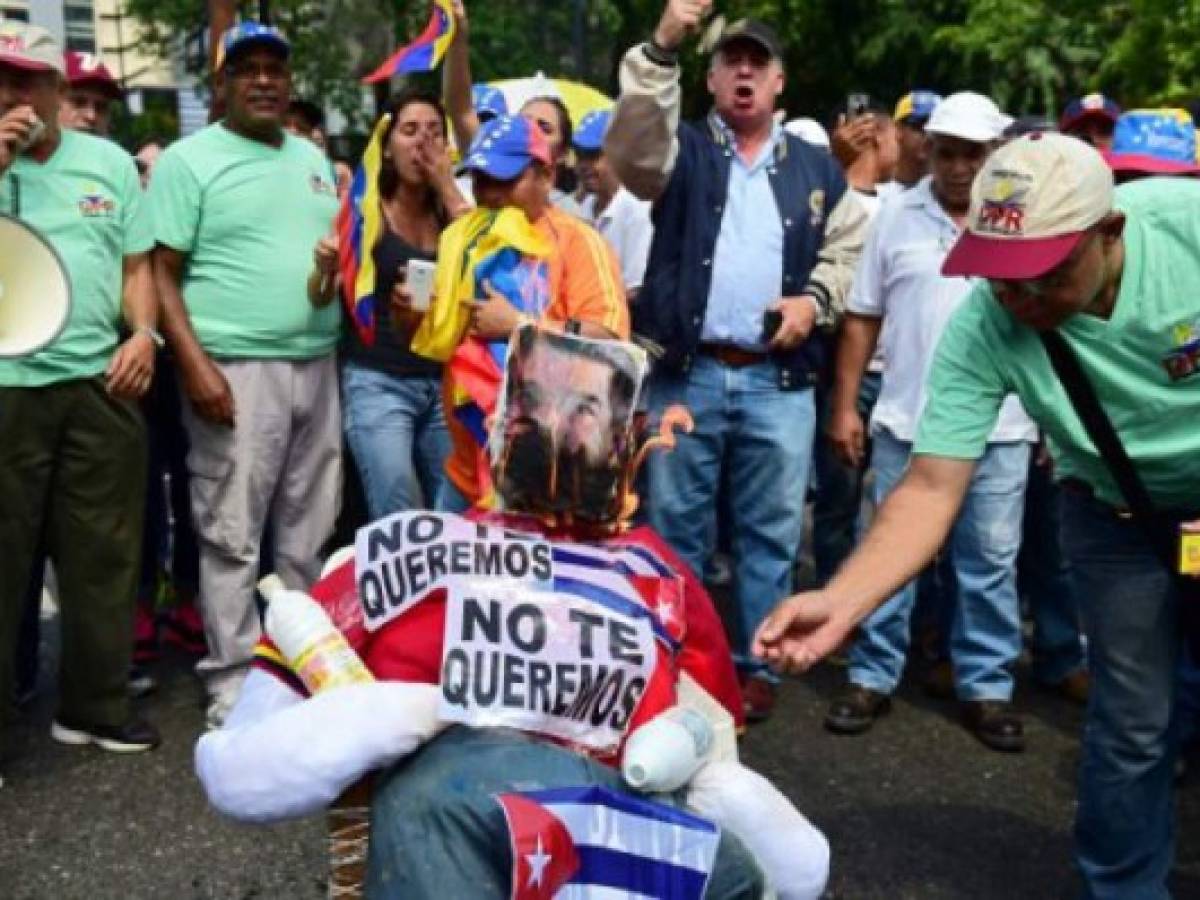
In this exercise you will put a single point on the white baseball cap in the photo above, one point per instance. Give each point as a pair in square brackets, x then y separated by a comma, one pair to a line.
[1031, 204]
[969, 116]
[808, 130]
[29, 47]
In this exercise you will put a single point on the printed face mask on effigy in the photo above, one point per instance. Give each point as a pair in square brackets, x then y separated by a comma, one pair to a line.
[563, 436]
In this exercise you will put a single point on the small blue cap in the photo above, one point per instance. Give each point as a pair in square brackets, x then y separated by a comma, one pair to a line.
[505, 146]
[916, 107]
[251, 33]
[589, 136]
[488, 101]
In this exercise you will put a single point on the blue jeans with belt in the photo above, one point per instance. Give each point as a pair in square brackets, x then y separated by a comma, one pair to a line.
[985, 637]
[1124, 825]
[397, 432]
[763, 436]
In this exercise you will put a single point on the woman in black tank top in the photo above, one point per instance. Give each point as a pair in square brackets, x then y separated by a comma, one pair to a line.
[392, 404]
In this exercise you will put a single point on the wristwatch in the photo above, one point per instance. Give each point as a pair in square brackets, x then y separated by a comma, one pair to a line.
[153, 334]
[666, 57]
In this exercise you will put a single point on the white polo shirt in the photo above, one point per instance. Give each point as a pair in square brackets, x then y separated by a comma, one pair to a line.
[899, 280]
[625, 222]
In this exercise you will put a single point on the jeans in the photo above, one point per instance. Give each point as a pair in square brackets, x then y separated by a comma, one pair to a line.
[764, 436]
[985, 637]
[1124, 830]
[397, 432]
[1045, 578]
[437, 829]
[839, 488]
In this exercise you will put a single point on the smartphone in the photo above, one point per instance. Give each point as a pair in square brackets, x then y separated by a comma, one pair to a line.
[857, 105]
[419, 283]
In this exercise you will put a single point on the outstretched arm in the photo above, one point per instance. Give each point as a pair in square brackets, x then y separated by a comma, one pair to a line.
[641, 144]
[908, 530]
[456, 82]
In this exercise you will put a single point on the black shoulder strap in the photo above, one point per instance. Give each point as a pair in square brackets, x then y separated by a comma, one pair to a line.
[1095, 420]
[1100, 429]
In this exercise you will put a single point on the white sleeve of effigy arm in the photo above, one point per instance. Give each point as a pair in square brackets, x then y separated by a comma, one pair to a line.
[792, 853]
[280, 756]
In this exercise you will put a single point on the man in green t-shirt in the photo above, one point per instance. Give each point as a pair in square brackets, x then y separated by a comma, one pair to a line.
[73, 452]
[237, 209]
[1117, 275]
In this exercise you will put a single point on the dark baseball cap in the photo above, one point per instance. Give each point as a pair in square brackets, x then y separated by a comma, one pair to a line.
[753, 30]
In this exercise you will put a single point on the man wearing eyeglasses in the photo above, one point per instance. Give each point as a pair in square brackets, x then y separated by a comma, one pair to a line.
[238, 207]
[1116, 274]
[900, 299]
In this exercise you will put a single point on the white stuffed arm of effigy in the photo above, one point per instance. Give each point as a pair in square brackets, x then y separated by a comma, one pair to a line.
[792, 853]
[280, 756]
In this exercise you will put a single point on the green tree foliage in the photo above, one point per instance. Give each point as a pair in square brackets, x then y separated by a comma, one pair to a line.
[1031, 55]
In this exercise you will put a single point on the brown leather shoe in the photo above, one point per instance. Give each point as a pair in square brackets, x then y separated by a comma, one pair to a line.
[1074, 687]
[995, 724]
[758, 698]
[855, 710]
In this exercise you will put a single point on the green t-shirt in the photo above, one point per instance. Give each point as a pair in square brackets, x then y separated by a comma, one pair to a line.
[248, 216]
[1144, 362]
[87, 202]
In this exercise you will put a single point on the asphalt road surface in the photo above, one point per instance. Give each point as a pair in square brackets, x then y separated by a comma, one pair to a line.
[914, 809]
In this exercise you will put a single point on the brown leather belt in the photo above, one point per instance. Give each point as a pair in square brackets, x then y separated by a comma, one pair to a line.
[734, 357]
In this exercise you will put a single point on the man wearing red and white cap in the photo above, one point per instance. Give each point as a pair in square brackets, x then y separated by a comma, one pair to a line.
[1091, 118]
[91, 92]
[73, 451]
[1116, 274]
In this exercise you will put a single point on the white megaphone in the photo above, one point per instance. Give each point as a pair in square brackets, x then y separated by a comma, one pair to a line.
[35, 290]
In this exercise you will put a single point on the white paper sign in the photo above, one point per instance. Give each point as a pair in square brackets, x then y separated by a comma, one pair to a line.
[552, 663]
[401, 559]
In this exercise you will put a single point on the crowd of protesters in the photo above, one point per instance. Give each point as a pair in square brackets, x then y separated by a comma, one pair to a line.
[851, 317]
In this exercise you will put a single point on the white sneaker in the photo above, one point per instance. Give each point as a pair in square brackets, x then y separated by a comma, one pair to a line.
[217, 711]
[134, 736]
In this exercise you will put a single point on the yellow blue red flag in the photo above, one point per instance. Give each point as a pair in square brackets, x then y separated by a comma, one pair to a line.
[426, 52]
[359, 223]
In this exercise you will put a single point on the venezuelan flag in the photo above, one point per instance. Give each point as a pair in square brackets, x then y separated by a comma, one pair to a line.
[359, 223]
[503, 249]
[477, 366]
[426, 52]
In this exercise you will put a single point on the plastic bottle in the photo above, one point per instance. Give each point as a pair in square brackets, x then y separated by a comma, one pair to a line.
[314, 649]
[666, 752]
